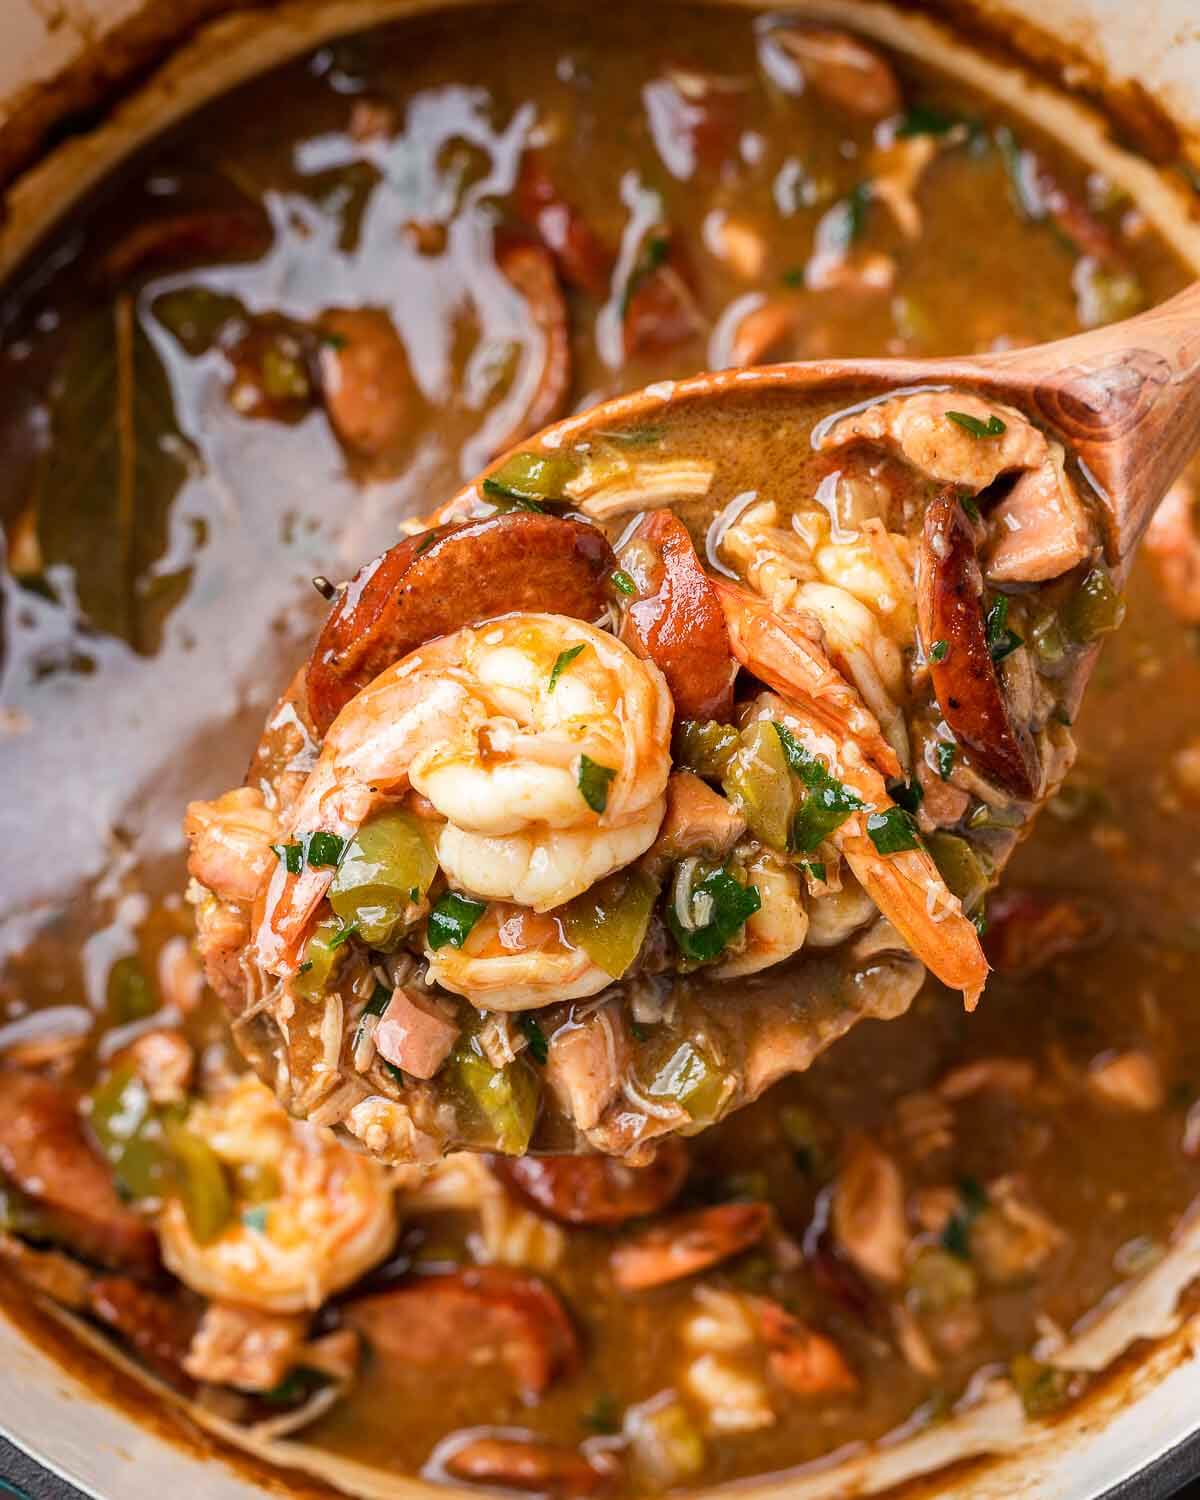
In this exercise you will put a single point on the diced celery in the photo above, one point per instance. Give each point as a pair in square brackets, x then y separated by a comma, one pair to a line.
[200, 1183]
[758, 781]
[1095, 608]
[704, 746]
[692, 1079]
[129, 995]
[507, 1097]
[322, 954]
[385, 870]
[129, 1132]
[960, 867]
[609, 921]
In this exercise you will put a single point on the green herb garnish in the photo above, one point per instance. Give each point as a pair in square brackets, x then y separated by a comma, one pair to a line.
[342, 935]
[922, 119]
[539, 1048]
[815, 867]
[256, 1219]
[323, 849]
[993, 427]
[652, 255]
[593, 780]
[967, 501]
[509, 499]
[956, 1237]
[451, 920]
[622, 582]
[1001, 640]
[564, 660]
[908, 794]
[730, 904]
[937, 652]
[291, 856]
[893, 830]
[945, 753]
[604, 1415]
[828, 803]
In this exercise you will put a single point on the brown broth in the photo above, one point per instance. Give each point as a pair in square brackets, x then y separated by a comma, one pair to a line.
[203, 607]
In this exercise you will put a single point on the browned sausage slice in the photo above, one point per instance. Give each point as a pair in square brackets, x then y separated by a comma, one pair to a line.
[680, 625]
[45, 1153]
[530, 270]
[688, 1243]
[464, 1319]
[430, 585]
[965, 679]
[519, 1464]
[212, 234]
[583, 260]
[158, 1326]
[595, 1189]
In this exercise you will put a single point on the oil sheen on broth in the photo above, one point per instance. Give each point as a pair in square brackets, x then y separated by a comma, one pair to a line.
[168, 493]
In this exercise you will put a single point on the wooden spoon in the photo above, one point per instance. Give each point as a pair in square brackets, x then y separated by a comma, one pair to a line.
[1123, 400]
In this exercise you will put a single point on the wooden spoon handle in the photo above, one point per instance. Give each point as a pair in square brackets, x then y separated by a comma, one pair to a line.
[1126, 400]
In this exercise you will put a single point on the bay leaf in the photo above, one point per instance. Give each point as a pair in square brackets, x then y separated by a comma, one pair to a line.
[112, 468]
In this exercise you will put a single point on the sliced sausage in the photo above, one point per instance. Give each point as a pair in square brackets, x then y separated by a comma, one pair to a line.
[430, 585]
[805, 1362]
[687, 1244]
[595, 1189]
[45, 1153]
[157, 1326]
[680, 624]
[530, 270]
[519, 1464]
[463, 1319]
[661, 310]
[177, 239]
[965, 679]
[365, 380]
[584, 261]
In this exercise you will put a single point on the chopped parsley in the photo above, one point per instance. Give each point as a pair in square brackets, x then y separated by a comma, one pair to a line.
[324, 849]
[539, 1048]
[255, 1218]
[343, 935]
[604, 1415]
[451, 920]
[334, 340]
[1001, 641]
[427, 541]
[815, 867]
[291, 856]
[945, 753]
[973, 1199]
[909, 794]
[375, 1006]
[593, 781]
[730, 904]
[563, 660]
[967, 501]
[893, 830]
[993, 427]
[828, 803]
[651, 256]
[508, 499]
[923, 119]
[622, 582]
[937, 652]
[316, 849]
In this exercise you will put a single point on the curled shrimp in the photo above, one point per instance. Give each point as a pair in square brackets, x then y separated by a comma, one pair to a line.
[780, 925]
[781, 651]
[906, 886]
[320, 1215]
[516, 959]
[543, 743]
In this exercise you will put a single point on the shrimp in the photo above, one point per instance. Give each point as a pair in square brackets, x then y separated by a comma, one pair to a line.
[230, 843]
[922, 431]
[906, 887]
[543, 742]
[516, 959]
[779, 927]
[777, 648]
[332, 1218]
